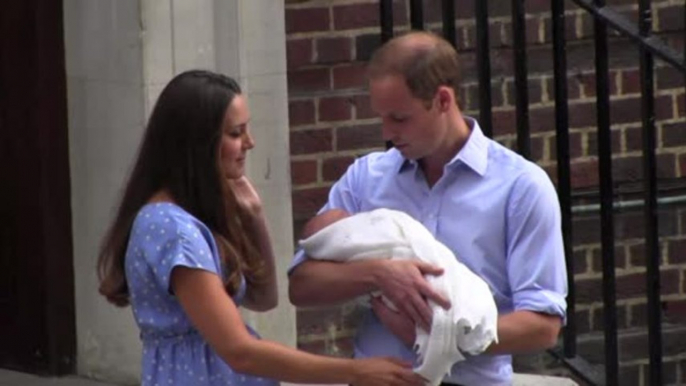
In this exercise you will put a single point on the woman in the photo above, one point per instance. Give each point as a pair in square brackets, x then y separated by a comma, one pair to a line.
[189, 244]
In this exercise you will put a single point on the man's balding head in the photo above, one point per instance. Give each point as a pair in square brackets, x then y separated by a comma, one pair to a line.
[424, 60]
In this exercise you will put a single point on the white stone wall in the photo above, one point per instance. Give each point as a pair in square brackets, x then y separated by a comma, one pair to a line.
[120, 54]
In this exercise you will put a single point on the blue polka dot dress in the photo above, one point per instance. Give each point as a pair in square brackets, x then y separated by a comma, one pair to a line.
[165, 236]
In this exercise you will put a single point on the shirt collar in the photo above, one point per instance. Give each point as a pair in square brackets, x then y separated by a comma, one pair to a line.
[474, 153]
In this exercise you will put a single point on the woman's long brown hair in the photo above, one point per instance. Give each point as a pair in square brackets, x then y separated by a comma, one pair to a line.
[180, 155]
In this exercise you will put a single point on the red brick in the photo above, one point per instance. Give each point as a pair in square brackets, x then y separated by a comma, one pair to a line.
[677, 252]
[582, 115]
[588, 290]
[354, 16]
[363, 109]
[359, 137]
[308, 80]
[619, 255]
[504, 122]
[583, 321]
[307, 202]
[349, 76]
[675, 311]
[301, 112]
[682, 165]
[311, 141]
[599, 316]
[334, 50]
[335, 109]
[634, 138]
[668, 78]
[303, 172]
[674, 135]
[299, 53]
[537, 146]
[671, 18]
[333, 168]
[307, 20]
[574, 146]
[637, 255]
[681, 105]
[319, 320]
[631, 82]
[634, 285]
[664, 108]
[537, 6]
[542, 119]
[615, 140]
[584, 174]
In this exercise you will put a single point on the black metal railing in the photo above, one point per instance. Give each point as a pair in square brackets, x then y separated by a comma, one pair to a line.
[650, 47]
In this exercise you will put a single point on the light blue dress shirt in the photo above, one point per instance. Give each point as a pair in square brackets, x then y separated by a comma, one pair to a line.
[497, 212]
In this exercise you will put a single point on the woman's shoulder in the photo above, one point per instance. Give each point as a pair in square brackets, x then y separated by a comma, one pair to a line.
[162, 218]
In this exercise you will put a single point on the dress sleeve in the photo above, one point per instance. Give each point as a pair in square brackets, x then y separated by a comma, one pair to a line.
[176, 242]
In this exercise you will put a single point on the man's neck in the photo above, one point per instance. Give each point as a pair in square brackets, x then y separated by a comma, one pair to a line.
[433, 165]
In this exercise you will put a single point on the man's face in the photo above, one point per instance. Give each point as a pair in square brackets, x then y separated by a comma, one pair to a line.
[412, 128]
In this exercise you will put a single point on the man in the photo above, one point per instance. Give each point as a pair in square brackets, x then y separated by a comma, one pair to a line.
[494, 209]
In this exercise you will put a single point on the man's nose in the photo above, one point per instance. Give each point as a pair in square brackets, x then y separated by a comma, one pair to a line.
[387, 130]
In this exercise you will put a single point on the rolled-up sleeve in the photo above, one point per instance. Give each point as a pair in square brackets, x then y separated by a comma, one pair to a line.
[535, 259]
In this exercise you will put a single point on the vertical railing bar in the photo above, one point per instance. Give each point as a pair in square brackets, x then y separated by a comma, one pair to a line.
[448, 8]
[417, 14]
[652, 248]
[564, 186]
[483, 63]
[606, 196]
[386, 19]
[521, 79]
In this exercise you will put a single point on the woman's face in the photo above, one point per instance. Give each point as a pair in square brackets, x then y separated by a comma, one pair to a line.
[236, 140]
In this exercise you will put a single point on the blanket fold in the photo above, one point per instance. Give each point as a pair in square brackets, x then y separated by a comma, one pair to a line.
[469, 326]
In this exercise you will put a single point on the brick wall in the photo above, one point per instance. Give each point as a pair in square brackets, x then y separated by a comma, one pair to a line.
[328, 44]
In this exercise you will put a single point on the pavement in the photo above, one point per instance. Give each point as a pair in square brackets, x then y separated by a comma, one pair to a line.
[13, 378]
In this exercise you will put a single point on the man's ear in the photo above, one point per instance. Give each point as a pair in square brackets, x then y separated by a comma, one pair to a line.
[445, 98]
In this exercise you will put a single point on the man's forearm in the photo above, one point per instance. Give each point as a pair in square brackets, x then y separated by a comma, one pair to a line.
[315, 283]
[525, 331]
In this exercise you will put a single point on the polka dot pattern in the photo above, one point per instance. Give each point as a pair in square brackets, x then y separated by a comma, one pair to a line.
[165, 236]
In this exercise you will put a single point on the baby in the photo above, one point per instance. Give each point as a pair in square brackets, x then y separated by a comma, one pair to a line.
[469, 326]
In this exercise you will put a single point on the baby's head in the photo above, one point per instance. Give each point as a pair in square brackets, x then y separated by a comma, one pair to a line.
[323, 220]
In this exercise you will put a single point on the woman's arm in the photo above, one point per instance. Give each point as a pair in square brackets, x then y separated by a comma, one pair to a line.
[263, 297]
[214, 314]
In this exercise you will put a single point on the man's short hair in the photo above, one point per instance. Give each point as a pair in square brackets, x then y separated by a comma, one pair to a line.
[425, 60]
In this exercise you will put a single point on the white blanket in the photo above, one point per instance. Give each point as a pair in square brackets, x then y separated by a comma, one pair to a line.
[469, 326]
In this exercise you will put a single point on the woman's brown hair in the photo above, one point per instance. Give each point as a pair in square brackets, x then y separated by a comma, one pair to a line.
[180, 155]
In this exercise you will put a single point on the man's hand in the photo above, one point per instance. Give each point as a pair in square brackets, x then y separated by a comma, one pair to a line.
[399, 324]
[403, 283]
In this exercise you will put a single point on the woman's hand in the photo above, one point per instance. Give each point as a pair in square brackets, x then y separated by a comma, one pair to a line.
[385, 372]
[246, 195]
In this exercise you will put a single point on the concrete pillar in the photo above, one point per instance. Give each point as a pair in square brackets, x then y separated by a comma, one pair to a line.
[120, 54]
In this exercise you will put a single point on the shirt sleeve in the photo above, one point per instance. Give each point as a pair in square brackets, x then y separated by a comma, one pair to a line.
[535, 260]
[178, 243]
[343, 195]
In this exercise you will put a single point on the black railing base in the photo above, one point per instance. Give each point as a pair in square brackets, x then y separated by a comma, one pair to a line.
[592, 374]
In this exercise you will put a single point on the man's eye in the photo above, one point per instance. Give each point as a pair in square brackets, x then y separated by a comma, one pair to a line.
[398, 119]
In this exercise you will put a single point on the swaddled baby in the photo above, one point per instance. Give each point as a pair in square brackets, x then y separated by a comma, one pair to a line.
[469, 326]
